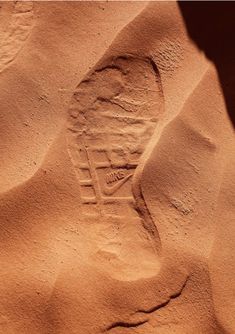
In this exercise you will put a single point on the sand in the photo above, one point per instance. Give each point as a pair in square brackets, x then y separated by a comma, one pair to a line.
[117, 167]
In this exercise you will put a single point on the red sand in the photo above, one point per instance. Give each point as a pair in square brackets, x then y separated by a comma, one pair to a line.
[117, 168]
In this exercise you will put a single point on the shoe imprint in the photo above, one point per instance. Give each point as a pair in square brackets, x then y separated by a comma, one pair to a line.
[15, 31]
[112, 117]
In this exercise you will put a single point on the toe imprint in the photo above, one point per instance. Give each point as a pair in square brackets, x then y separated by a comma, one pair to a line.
[14, 35]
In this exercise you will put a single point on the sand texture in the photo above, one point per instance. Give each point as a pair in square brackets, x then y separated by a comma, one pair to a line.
[117, 178]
